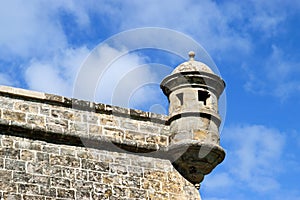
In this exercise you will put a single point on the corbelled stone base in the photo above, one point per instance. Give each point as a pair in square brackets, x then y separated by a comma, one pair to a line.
[198, 159]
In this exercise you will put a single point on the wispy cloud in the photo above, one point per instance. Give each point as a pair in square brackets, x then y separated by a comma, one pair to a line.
[55, 74]
[253, 162]
[254, 150]
[28, 29]
[278, 75]
[35, 31]
[205, 22]
[6, 80]
[113, 76]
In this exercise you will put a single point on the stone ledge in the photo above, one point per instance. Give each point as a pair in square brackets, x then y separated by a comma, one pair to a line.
[25, 130]
[129, 141]
[62, 120]
[78, 104]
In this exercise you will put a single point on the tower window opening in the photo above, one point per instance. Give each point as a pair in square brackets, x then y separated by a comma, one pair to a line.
[180, 97]
[203, 96]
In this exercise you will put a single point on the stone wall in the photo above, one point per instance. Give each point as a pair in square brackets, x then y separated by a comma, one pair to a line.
[52, 147]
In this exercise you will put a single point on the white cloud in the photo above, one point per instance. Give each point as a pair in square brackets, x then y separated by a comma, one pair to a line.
[105, 76]
[204, 21]
[264, 17]
[116, 73]
[255, 153]
[56, 74]
[112, 75]
[27, 30]
[45, 78]
[34, 29]
[280, 65]
[269, 15]
[253, 164]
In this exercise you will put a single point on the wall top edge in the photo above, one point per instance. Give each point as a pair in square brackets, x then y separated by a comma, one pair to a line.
[29, 95]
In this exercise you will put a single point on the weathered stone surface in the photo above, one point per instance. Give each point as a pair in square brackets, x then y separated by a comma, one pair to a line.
[193, 90]
[109, 121]
[149, 128]
[138, 114]
[90, 118]
[28, 188]
[88, 154]
[26, 107]
[95, 130]
[155, 175]
[64, 161]
[135, 136]
[27, 155]
[28, 144]
[82, 174]
[113, 134]
[78, 128]
[42, 157]
[44, 110]
[46, 164]
[21, 177]
[67, 151]
[5, 175]
[158, 195]
[155, 139]
[14, 116]
[65, 193]
[130, 125]
[68, 172]
[47, 191]
[1, 163]
[10, 153]
[38, 168]
[6, 104]
[96, 174]
[53, 97]
[138, 194]
[60, 182]
[15, 165]
[136, 171]
[151, 185]
[39, 179]
[84, 195]
[7, 142]
[13, 196]
[96, 166]
[33, 197]
[118, 169]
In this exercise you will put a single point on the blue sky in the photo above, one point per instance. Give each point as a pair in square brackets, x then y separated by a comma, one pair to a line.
[255, 45]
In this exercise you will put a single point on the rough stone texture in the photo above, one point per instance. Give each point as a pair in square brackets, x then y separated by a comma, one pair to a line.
[193, 91]
[61, 171]
[52, 147]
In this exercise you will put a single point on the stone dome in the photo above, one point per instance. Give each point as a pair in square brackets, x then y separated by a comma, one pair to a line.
[192, 65]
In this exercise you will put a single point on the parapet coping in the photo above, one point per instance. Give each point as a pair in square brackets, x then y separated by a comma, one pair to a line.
[83, 105]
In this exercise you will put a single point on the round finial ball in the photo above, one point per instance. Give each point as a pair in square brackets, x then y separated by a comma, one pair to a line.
[191, 54]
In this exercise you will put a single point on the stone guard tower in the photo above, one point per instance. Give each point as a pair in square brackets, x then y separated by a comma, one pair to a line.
[193, 90]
